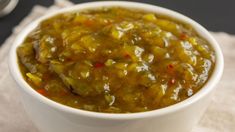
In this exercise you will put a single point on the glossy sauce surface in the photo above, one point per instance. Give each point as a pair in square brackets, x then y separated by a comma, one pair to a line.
[115, 60]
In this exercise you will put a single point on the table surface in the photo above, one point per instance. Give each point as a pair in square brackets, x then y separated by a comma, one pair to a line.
[217, 15]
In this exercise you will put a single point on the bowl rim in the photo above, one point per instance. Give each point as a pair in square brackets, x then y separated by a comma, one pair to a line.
[203, 92]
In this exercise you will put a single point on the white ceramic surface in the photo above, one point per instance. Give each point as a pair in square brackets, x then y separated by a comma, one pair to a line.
[50, 116]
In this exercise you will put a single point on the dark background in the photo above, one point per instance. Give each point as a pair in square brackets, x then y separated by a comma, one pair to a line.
[215, 15]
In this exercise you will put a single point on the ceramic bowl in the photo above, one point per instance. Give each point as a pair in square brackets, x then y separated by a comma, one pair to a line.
[50, 116]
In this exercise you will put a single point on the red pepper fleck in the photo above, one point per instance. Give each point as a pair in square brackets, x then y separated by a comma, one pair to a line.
[127, 56]
[42, 91]
[170, 66]
[98, 65]
[183, 36]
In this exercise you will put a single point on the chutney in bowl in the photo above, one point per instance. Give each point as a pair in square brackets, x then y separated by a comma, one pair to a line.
[115, 60]
[178, 116]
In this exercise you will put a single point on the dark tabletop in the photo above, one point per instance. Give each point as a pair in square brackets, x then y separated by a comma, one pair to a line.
[215, 15]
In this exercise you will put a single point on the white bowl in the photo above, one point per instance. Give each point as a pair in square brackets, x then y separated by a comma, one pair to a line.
[50, 116]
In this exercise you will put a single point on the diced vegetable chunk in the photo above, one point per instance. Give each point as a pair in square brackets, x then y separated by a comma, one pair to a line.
[34, 78]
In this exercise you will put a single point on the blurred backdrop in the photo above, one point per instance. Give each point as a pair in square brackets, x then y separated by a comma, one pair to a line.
[215, 15]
